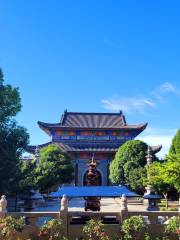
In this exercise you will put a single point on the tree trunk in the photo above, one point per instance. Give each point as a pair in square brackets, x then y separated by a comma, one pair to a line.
[166, 197]
[16, 198]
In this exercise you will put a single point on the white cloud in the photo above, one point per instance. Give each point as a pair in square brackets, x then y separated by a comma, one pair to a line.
[165, 88]
[130, 104]
[152, 136]
[156, 136]
[127, 104]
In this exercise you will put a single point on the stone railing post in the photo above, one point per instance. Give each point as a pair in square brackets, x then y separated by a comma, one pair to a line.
[3, 206]
[64, 214]
[124, 208]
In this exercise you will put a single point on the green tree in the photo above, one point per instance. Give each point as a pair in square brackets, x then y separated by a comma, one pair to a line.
[136, 178]
[13, 138]
[26, 177]
[54, 168]
[172, 171]
[166, 174]
[10, 103]
[128, 165]
[175, 145]
[158, 179]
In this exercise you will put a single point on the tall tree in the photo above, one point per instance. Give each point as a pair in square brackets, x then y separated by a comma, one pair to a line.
[10, 103]
[55, 168]
[26, 176]
[128, 166]
[13, 138]
[158, 179]
[175, 145]
[166, 174]
[172, 171]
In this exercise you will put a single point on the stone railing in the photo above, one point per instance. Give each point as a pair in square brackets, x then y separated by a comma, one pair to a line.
[74, 221]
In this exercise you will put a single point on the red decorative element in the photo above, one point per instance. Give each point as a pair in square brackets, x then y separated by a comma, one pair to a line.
[92, 203]
[58, 133]
[114, 133]
[100, 156]
[86, 133]
[71, 133]
[100, 134]
[84, 155]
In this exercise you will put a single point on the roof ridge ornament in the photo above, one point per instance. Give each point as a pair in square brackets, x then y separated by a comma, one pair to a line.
[63, 116]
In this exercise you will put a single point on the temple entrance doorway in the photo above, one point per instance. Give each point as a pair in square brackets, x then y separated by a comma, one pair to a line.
[99, 178]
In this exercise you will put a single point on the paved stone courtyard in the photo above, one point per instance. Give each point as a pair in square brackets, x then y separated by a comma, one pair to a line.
[107, 205]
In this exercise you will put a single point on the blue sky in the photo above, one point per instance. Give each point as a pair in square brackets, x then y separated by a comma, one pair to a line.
[94, 56]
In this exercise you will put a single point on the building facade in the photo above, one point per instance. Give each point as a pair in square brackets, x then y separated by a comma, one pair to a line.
[83, 135]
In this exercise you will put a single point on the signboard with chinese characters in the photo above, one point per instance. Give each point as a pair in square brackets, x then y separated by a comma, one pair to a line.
[91, 136]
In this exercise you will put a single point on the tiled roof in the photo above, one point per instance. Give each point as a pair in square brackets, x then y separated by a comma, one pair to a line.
[87, 147]
[92, 120]
[78, 147]
[156, 149]
[32, 148]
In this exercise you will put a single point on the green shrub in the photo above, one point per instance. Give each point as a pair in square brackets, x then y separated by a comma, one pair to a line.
[133, 227]
[173, 226]
[169, 209]
[94, 230]
[52, 230]
[10, 226]
[148, 237]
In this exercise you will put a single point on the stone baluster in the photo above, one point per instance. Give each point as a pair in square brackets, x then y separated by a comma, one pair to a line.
[64, 203]
[124, 202]
[3, 206]
[124, 208]
[64, 214]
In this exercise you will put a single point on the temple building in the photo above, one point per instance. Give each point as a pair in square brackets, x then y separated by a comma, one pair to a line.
[82, 135]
